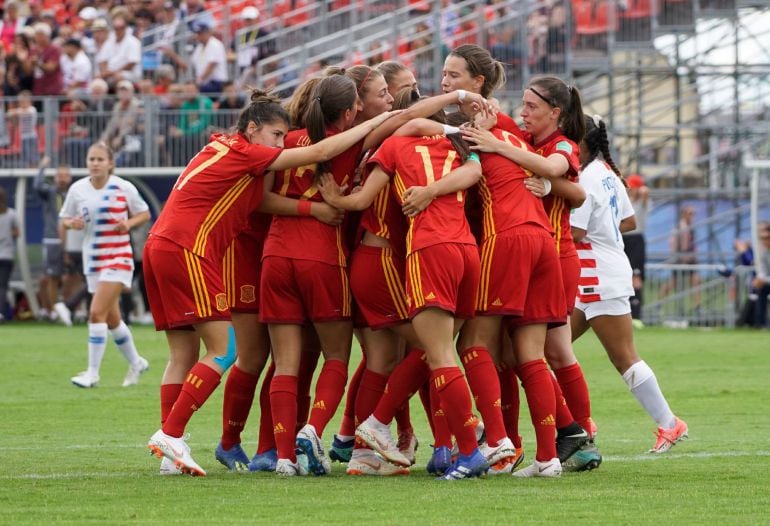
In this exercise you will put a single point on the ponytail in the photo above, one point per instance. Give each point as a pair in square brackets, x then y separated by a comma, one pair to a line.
[555, 92]
[597, 142]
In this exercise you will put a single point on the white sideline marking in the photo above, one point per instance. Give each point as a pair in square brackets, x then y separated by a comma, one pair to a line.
[610, 458]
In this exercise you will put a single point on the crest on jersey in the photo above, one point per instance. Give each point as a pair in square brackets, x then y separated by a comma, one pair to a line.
[221, 299]
[248, 294]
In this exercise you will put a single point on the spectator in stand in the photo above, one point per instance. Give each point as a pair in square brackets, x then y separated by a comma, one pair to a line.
[52, 198]
[246, 50]
[634, 242]
[170, 27]
[9, 231]
[10, 25]
[124, 129]
[760, 282]
[90, 111]
[77, 70]
[144, 23]
[164, 76]
[26, 120]
[683, 247]
[232, 102]
[100, 31]
[194, 119]
[35, 13]
[123, 56]
[209, 60]
[170, 105]
[17, 78]
[44, 62]
[48, 17]
[195, 13]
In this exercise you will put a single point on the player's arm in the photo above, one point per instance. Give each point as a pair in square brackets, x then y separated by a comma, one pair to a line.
[273, 203]
[578, 234]
[420, 127]
[329, 147]
[572, 192]
[627, 224]
[333, 193]
[417, 198]
[553, 166]
[426, 108]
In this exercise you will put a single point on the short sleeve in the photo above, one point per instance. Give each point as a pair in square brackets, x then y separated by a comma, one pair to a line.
[70, 206]
[626, 208]
[385, 157]
[136, 205]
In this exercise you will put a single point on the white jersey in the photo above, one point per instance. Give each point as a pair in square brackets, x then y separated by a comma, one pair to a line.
[102, 209]
[605, 272]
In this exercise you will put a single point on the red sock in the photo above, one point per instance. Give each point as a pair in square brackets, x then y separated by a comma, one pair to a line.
[536, 380]
[573, 386]
[442, 435]
[509, 398]
[168, 395]
[283, 402]
[307, 366]
[266, 440]
[425, 399]
[456, 403]
[348, 425]
[403, 419]
[485, 386]
[239, 395]
[369, 393]
[328, 393]
[563, 415]
[196, 389]
[404, 381]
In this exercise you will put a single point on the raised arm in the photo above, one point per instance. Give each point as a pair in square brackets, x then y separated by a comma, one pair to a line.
[329, 147]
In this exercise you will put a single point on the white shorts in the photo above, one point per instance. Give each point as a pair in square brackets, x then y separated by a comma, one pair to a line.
[611, 307]
[126, 277]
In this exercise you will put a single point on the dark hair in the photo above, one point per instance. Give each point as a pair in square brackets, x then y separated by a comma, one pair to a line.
[390, 68]
[555, 92]
[405, 98]
[480, 62]
[263, 108]
[330, 98]
[596, 142]
[299, 102]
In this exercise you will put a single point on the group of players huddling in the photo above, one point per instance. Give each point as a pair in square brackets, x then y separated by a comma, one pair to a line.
[364, 209]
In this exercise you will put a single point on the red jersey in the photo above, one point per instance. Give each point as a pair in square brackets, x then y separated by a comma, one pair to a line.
[211, 200]
[385, 219]
[505, 122]
[418, 161]
[506, 202]
[556, 207]
[306, 237]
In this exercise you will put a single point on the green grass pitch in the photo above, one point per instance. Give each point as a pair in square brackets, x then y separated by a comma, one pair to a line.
[74, 456]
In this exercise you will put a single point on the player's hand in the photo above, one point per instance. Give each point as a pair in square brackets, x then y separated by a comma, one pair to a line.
[327, 214]
[122, 227]
[482, 140]
[329, 188]
[77, 223]
[416, 199]
[536, 186]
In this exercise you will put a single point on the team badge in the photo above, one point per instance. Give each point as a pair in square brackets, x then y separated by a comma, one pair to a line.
[221, 302]
[248, 294]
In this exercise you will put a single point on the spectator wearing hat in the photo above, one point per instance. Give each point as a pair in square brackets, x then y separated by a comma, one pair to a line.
[252, 44]
[99, 51]
[634, 242]
[76, 69]
[209, 60]
[123, 60]
[44, 62]
[124, 129]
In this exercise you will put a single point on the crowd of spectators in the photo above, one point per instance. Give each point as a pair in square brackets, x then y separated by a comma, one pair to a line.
[105, 59]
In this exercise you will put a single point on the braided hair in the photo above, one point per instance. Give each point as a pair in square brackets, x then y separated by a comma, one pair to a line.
[596, 142]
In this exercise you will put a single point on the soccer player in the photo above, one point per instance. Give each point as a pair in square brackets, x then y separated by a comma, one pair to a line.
[552, 115]
[606, 279]
[106, 207]
[439, 296]
[208, 205]
[397, 76]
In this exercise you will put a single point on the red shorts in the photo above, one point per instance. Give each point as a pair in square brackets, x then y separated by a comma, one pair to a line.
[570, 273]
[242, 266]
[444, 276]
[183, 288]
[536, 281]
[295, 291]
[377, 282]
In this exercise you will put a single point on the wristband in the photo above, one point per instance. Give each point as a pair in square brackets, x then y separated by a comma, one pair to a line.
[448, 130]
[547, 185]
[303, 208]
[461, 93]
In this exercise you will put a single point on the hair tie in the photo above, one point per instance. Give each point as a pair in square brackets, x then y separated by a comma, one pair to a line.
[597, 119]
[547, 101]
[317, 98]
